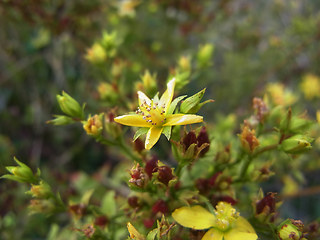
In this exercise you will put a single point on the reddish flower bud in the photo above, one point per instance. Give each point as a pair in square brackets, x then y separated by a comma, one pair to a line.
[267, 204]
[228, 199]
[160, 206]
[133, 201]
[260, 108]
[203, 138]
[151, 166]
[213, 179]
[138, 145]
[202, 185]
[165, 174]
[189, 139]
[101, 221]
[78, 209]
[148, 223]
[137, 176]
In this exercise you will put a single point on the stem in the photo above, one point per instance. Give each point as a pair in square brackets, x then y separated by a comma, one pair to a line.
[265, 149]
[245, 167]
[128, 152]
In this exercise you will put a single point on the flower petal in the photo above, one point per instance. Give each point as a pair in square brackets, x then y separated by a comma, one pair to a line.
[143, 98]
[132, 120]
[182, 119]
[153, 136]
[167, 96]
[235, 235]
[195, 217]
[213, 234]
[242, 225]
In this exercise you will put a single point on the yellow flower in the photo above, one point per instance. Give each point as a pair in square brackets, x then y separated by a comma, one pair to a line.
[310, 86]
[226, 224]
[157, 114]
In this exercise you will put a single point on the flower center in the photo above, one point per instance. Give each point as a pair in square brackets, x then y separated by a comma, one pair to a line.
[152, 113]
[226, 216]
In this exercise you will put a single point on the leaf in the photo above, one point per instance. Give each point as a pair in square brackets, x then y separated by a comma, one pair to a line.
[174, 103]
[152, 234]
[108, 204]
[139, 132]
[167, 131]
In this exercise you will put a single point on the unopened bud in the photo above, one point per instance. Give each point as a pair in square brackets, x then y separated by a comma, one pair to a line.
[70, 106]
[42, 190]
[45, 206]
[248, 139]
[165, 174]
[160, 206]
[296, 144]
[205, 54]
[290, 230]
[96, 54]
[21, 173]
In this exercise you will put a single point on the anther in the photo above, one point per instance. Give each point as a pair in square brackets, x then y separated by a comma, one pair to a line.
[144, 118]
[148, 116]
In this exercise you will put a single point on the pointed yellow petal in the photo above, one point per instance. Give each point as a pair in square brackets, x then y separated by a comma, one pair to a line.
[134, 234]
[182, 119]
[242, 225]
[235, 235]
[167, 96]
[153, 136]
[132, 120]
[213, 234]
[143, 98]
[195, 217]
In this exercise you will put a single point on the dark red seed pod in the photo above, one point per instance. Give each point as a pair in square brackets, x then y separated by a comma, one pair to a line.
[160, 206]
[189, 139]
[268, 203]
[133, 201]
[101, 221]
[151, 166]
[165, 174]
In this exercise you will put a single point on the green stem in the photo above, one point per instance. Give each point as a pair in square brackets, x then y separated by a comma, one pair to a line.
[264, 149]
[128, 152]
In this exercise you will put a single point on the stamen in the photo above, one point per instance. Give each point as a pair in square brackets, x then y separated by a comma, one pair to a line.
[144, 118]
[148, 116]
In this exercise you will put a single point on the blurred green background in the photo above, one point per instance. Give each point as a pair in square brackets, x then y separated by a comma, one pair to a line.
[43, 45]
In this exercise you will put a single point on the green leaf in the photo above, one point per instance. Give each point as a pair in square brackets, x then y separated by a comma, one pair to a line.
[174, 103]
[167, 132]
[152, 234]
[108, 204]
[139, 132]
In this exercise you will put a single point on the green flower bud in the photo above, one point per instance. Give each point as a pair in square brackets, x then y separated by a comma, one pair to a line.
[70, 106]
[288, 230]
[21, 173]
[42, 190]
[192, 104]
[205, 54]
[61, 120]
[296, 144]
[45, 206]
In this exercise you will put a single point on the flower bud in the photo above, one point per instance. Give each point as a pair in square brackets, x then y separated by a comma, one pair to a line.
[111, 127]
[165, 174]
[310, 86]
[133, 201]
[290, 230]
[192, 104]
[248, 139]
[21, 173]
[96, 54]
[296, 144]
[70, 106]
[205, 54]
[203, 141]
[266, 207]
[261, 109]
[93, 126]
[101, 221]
[60, 120]
[151, 166]
[149, 83]
[160, 206]
[78, 210]
[45, 206]
[108, 92]
[137, 176]
[184, 64]
[42, 190]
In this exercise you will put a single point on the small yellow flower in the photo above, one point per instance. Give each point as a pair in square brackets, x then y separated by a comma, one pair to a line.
[226, 224]
[96, 54]
[157, 114]
[310, 86]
